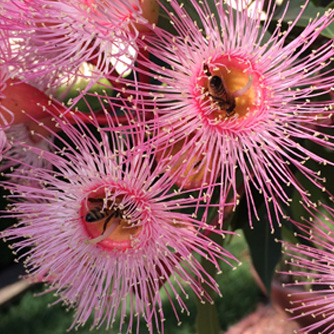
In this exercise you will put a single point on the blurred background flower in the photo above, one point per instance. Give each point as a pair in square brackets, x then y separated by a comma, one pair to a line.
[55, 37]
[310, 268]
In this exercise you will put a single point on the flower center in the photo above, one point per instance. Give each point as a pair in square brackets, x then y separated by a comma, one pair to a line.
[228, 89]
[108, 222]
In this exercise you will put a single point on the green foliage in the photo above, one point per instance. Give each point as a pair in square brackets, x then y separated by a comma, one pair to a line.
[265, 250]
[310, 11]
[94, 102]
[240, 291]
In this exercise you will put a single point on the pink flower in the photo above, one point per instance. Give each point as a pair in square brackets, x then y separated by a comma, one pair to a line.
[3, 143]
[236, 103]
[311, 266]
[104, 228]
[6, 114]
[56, 37]
[20, 140]
[18, 102]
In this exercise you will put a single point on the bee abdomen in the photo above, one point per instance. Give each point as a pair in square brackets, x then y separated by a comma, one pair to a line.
[217, 87]
[94, 216]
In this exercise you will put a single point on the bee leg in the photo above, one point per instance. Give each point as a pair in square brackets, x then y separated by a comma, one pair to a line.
[197, 164]
[207, 70]
[118, 214]
[218, 99]
[230, 110]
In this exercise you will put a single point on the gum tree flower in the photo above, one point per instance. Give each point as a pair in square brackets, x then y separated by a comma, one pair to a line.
[56, 37]
[3, 143]
[312, 268]
[234, 101]
[6, 116]
[19, 99]
[7, 112]
[18, 102]
[20, 138]
[104, 230]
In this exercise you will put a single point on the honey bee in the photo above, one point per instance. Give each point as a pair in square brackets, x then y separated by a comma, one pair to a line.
[96, 214]
[217, 91]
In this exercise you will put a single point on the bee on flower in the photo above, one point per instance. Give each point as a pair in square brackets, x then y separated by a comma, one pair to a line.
[103, 228]
[237, 102]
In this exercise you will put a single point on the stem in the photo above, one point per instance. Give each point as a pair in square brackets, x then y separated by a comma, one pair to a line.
[207, 318]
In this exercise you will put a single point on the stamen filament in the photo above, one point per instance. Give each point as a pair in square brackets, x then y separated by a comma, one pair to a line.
[244, 90]
[104, 235]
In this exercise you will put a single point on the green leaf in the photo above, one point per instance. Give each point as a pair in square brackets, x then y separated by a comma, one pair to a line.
[330, 5]
[265, 250]
[164, 18]
[329, 31]
[310, 12]
[207, 319]
[316, 2]
[103, 85]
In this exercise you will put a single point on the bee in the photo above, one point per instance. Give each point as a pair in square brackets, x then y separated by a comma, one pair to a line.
[217, 91]
[96, 214]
